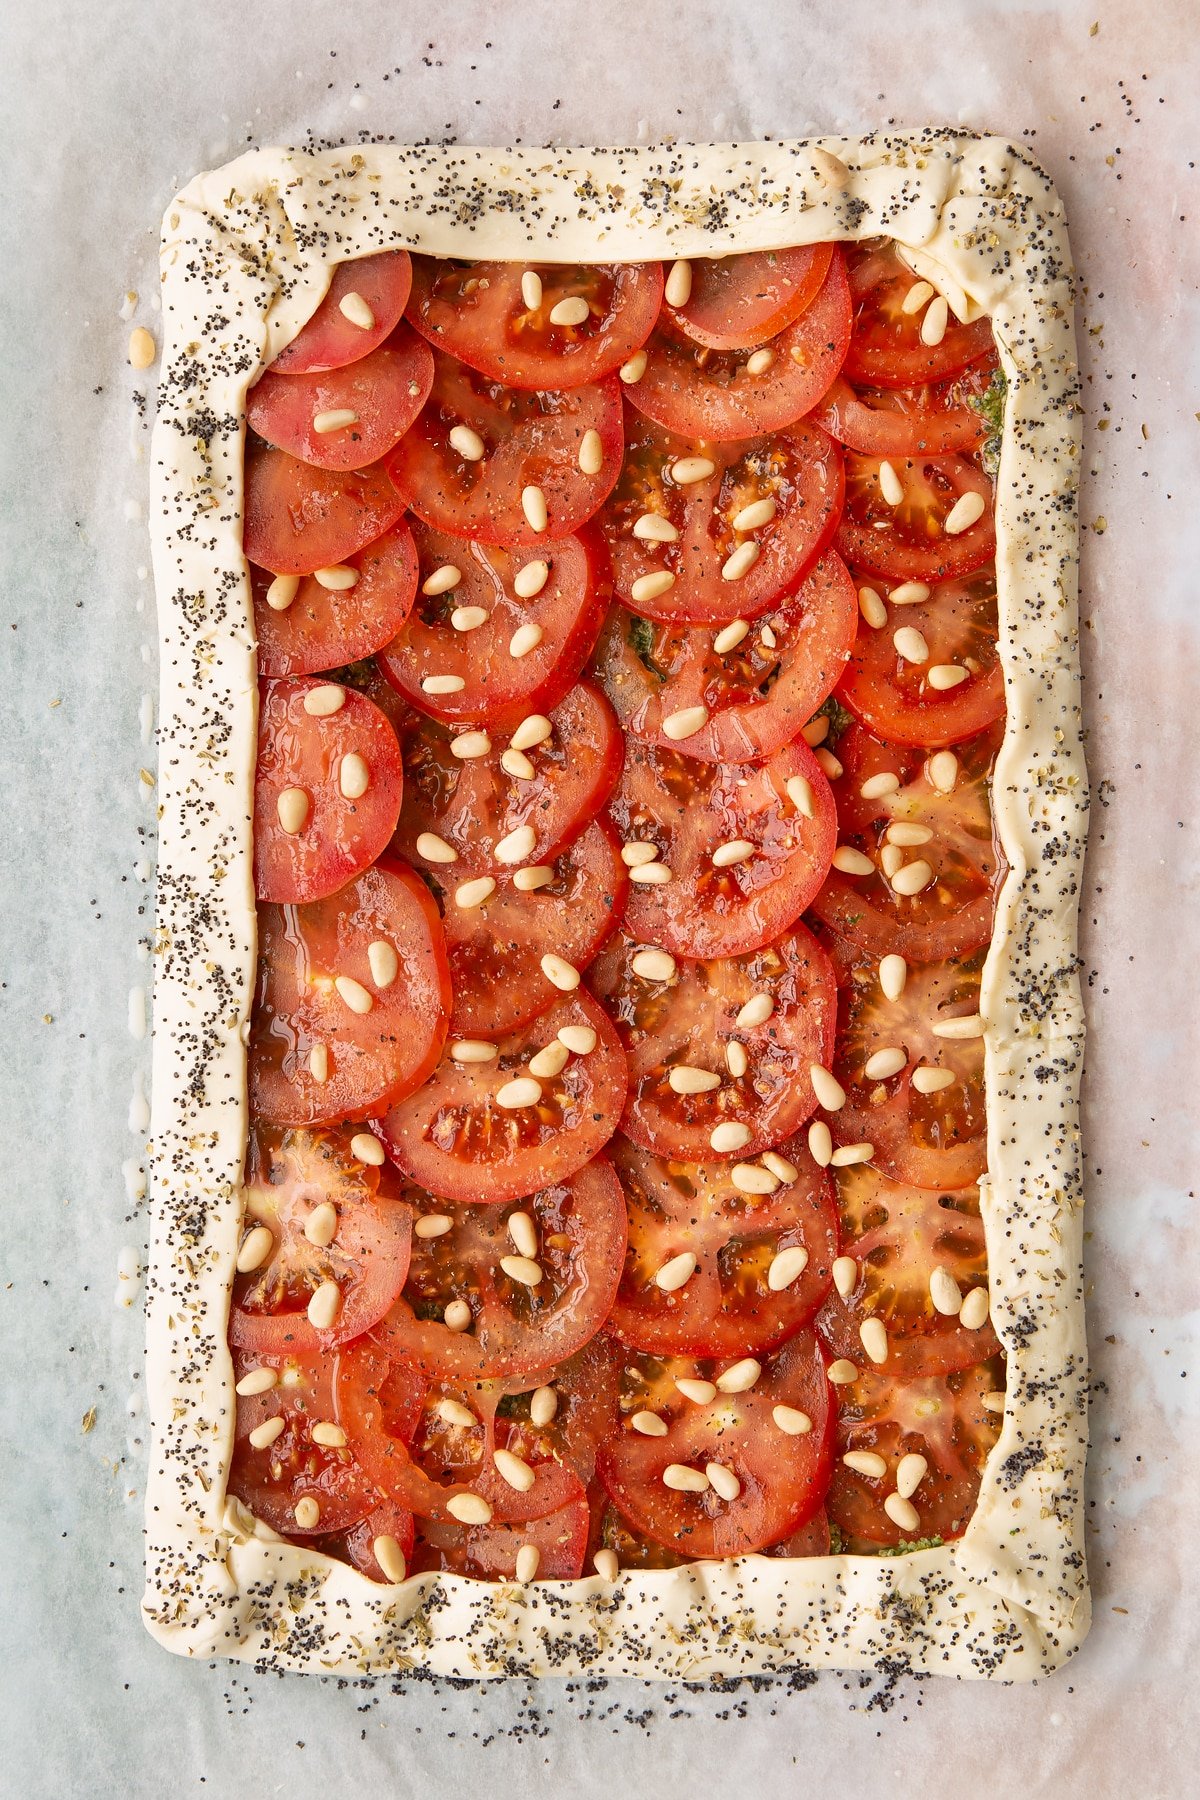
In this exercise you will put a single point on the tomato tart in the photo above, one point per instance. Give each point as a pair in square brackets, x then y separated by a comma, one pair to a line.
[617, 1037]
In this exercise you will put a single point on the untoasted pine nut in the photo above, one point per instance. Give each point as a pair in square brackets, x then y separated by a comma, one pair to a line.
[323, 701]
[525, 638]
[533, 505]
[591, 453]
[529, 580]
[325, 1305]
[320, 1227]
[786, 1266]
[678, 288]
[514, 1095]
[730, 1135]
[368, 1149]
[352, 306]
[580, 1040]
[354, 777]
[292, 808]
[254, 1250]
[384, 962]
[282, 592]
[468, 443]
[560, 973]
[353, 994]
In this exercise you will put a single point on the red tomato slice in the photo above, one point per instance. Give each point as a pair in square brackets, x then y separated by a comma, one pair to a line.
[473, 804]
[892, 696]
[341, 772]
[898, 422]
[298, 518]
[478, 312]
[289, 1174]
[812, 1539]
[758, 694]
[449, 1453]
[931, 1140]
[473, 1135]
[782, 1478]
[941, 1418]
[690, 810]
[886, 348]
[953, 914]
[585, 1388]
[490, 1551]
[898, 1235]
[324, 628]
[514, 1329]
[496, 949]
[272, 1480]
[909, 541]
[739, 301]
[387, 1520]
[370, 1057]
[332, 338]
[799, 472]
[530, 440]
[466, 632]
[345, 418]
[727, 1307]
[689, 1020]
[712, 394]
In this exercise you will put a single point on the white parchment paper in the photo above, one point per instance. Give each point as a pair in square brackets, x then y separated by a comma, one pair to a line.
[108, 107]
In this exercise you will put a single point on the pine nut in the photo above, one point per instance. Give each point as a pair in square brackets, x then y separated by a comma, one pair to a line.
[533, 505]
[282, 592]
[549, 1062]
[572, 310]
[352, 306]
[318, 1063]
[591, 452]
[911, 1471]
[387, 1552]
[472, 1050]
[560, 973]
[933, 325]
[254, 1250]
[457, 1316]
[517, 764]
[580, 1040]
[749, 1178]
[929, 1080]
[528, 881]
[543, 1404]
[531, 289]
[336, 578]
[384, 962]
[730, 636]
[531, 732]
[723, 1480]
[470, 894]
[866, 1462]
[944, 676]
[851, 861]
[676, 1272]
[683, 1079]
[325, 1305]
[846, 1156]
[728, 1136]
[652, 528]
[701, 1393]
[845, 1276]
[513, 1471]
[432, 1225]
[443, 684]
[684, 1480]
[328, 1435]
[264, 1435]
[740, 561]
[368, 1149]
[831, 1095]
[320, 1227]
[902, 1513]
[468, 443]
[648, 1424]
[353, 994]
[339, 418]
[737, 850]
[890, 485]
[740, 1377]
[469, 1509]
[684, 723]
[756, 1011]
[354, 777]
[820, 1143]
[468, 618]
[791, 1421]
[649, 587]
[529, 580]
[942, 770]
[635, 368]
[893, 973]
[975, 1309]
[323, 701]
[142, 348]
[963, 514]
[678, 288]
[873, 1334]
[257, 1381]
[522, 1092]
[292, 809]
[786, 1266]
[517, 846]
[736, 1059]
[470, 744]
[529, 1559]
[690, 469]
[523, 1233]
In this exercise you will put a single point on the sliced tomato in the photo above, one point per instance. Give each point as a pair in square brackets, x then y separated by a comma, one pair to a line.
[467, 1136]
[479, 313]
[388, 1520]
[953, 914]
[940, 1417]
[689, 1020]
[530, 440]
[689, 810]
[490, 1551]
[289, 1174]
[739, 301]
[897, 1236]
[324, 628]
[897, 422]
[345, 418]
[294, 1466]
[309, 757]
[369, 1057]
[712, 394]
[893, 697]
[515, 1330]
[585, 1389]
[782, 1478]
[449, 1451]
[886, 348]
[496, 949]
[799, 472]
[909, 541]
[298, 518]
[932, 1140]
[812, 1539]
[726, 1308]
[334, 337]
[758, 695]
[472, 803]
[466, 632]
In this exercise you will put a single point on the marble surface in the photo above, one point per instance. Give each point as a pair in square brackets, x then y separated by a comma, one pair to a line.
[111, 105]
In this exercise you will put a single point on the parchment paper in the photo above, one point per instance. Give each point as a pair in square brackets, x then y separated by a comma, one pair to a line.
[108, 108]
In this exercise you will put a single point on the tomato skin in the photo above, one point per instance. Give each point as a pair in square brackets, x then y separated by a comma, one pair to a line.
[691, 1019]
[799, 470]
[954, 913]
[499, 689]
[885, 348]
[892, 697]
[687, 810]
[515, 1331]
[384, 391]
[708, 394]
[455, 1138]
[907, 542]
[472, 803]
[387, 1520]
[330, 340]
[490, 328]
[373, 1059]
[725, 1309]
[783, 1479]
[900, 422]
[942, 1418]
[758, 695]
[297, 518]
[340, 837]
[496, 949]
[490, 1551]
[737, 302]
[294, 1467]
[288, 1175]
[530, 440]
[326, 628]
